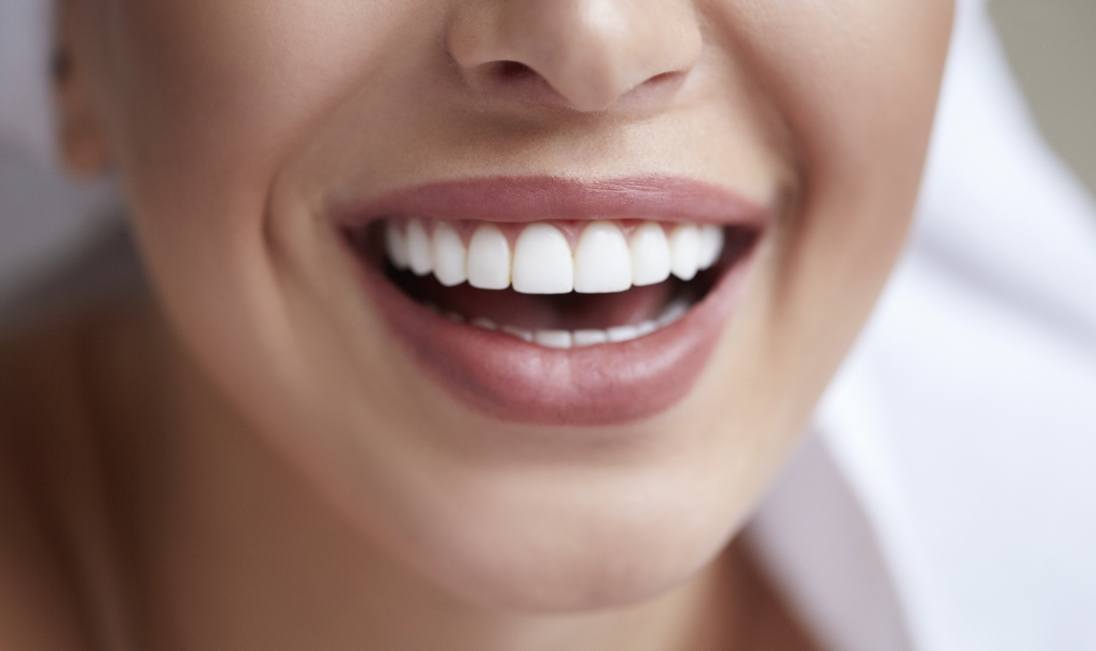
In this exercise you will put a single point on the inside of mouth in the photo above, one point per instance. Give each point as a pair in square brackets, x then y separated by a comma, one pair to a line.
[642, 308]
[569, 312]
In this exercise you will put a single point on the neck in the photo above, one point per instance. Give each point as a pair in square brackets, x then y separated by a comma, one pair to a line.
[238, 551]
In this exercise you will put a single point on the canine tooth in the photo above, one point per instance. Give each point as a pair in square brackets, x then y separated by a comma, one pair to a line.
[623, 333]
[520, 333]
[395, 244]
[646, 328]
[486, 324]
[450, 258]
[454, 317]
[543, 262]
[650, 251]
[418, 248]
[489, 259]
[602, 261]
[711, 245]
[554, 338]
[590, 337]
[685, 251]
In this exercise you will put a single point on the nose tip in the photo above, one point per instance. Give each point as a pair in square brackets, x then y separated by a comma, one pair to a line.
[585, 54]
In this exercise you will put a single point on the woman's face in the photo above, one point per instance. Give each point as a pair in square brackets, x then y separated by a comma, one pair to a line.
[273, 153]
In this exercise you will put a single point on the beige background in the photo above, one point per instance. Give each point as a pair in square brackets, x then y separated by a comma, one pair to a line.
[1052, 49]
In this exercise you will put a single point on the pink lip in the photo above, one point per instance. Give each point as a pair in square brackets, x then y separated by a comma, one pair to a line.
[543, 198]
[520, 382]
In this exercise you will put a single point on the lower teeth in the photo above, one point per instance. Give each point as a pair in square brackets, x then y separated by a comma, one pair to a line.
[566, 339]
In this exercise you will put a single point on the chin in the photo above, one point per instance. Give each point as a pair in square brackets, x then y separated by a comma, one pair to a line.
[600, 544]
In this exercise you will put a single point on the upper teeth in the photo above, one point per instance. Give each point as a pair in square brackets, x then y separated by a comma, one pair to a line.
[540, 259]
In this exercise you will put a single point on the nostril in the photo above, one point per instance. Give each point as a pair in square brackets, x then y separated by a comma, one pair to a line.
[517, 80]
[512, 71]
[662, 84]
[665, 77]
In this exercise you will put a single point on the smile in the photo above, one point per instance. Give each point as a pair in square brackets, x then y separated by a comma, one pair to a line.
[548, 301]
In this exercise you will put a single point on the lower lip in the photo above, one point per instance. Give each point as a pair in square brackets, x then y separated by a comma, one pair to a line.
[515, 381]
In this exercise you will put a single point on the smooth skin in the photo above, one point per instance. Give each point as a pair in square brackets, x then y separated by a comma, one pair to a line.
[250, 463]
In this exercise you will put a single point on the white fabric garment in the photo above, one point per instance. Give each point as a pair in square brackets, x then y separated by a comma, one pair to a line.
[945, 501]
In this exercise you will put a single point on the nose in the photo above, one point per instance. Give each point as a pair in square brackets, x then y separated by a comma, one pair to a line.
[585, 54]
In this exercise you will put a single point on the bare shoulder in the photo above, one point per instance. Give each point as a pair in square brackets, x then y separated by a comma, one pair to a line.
[48, 481]
[36, 609]
[40, 381]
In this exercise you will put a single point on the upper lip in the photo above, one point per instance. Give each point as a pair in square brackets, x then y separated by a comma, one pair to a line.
[544, 198]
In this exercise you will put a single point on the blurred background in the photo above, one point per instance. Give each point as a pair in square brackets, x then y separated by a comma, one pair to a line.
[1051, 46]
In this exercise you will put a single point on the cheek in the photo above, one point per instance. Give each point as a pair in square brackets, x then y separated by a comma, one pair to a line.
[857, 86]
[206, 101]
[864, 108]
[210, 98]
[205, 104]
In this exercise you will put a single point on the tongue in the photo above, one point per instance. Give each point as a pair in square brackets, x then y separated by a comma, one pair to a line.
[563, 312]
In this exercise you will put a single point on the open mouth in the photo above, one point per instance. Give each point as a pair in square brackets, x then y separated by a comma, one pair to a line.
[590, 320]
[556, 285]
